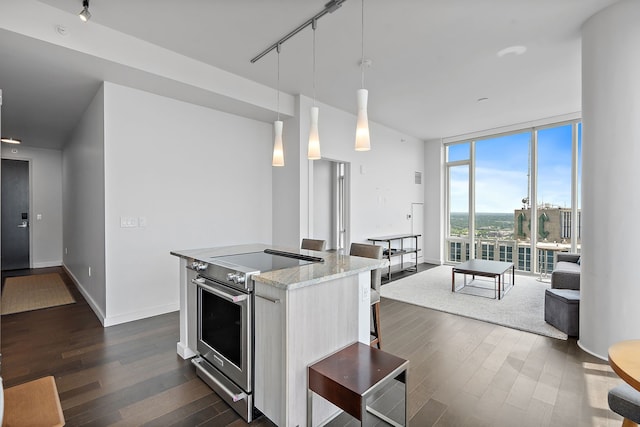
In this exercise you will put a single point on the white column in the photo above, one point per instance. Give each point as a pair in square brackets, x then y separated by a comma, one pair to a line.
[610, 281]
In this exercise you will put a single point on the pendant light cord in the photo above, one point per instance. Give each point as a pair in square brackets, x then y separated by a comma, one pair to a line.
[278, 85]
[313, 25]
[362, 46]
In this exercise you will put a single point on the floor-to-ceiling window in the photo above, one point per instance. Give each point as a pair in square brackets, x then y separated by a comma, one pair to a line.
[502, 175]
[458, 226]
[515, 197]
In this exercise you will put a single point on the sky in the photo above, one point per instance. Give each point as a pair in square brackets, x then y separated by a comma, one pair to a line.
[502, 171]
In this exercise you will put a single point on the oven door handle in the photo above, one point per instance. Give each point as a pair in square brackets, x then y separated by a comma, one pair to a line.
[221, 294]
[236, 397]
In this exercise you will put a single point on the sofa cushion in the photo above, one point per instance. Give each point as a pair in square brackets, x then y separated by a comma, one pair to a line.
[625, 400]
[570, 267]
[566, 275]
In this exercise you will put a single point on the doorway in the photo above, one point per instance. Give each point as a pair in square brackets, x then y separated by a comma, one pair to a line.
[331, 203]
[15, 214]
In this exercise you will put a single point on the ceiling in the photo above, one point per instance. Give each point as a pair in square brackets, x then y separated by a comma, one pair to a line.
[432, 60]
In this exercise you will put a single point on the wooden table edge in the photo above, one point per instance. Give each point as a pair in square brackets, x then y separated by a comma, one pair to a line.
[623, 374]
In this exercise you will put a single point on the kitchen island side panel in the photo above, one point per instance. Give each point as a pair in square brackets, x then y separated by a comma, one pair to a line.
[270, 362]
[306, 325]
[187, 346]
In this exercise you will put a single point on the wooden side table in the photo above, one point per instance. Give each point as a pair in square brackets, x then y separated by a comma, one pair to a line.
[623, 400]
[350, 376]
[624, 358]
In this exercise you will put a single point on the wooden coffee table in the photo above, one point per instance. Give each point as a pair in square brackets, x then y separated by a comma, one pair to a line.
[485, 268]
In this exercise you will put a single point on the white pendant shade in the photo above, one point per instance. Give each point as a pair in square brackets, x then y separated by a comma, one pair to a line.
[362, 126]
[278, 152]
[313, 151]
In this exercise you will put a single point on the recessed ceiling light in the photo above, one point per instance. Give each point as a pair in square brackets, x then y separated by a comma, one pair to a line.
[10, 140]
[515, 50]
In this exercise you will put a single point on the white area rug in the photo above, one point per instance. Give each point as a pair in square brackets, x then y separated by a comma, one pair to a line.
[521, 308]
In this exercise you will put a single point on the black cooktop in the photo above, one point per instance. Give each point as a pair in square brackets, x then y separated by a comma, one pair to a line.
[264, 262]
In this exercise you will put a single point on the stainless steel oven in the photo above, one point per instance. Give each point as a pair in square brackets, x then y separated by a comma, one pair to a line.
[225, 338]
[225, 330]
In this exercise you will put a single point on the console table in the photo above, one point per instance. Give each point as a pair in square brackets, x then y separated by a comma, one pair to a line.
[400, 250]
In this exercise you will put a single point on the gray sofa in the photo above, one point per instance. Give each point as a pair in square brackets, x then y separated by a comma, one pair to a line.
[562, 301]
[566, 274]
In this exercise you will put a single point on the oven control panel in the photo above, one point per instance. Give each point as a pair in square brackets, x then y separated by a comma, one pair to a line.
[237, 278]
[199, 266]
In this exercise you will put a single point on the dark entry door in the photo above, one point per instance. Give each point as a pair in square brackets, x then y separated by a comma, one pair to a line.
[15, 214]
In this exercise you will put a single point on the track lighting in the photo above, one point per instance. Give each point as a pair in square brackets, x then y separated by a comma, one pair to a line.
[313, 149]
[85, 15]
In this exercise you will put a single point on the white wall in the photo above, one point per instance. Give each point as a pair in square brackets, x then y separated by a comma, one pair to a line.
[199, 177]
[0, 134]
[609, 291]
[46, 200]
[382, 179]
[287, 217]
[434, 200]
[83, 205]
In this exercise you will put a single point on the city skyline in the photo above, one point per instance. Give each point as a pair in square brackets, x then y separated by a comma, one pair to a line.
[502, 169]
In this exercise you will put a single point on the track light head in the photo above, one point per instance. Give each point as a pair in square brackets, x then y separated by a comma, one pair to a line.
[85, 15]
[333, 5]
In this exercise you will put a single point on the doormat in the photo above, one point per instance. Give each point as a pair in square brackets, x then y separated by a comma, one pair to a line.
[34, 292]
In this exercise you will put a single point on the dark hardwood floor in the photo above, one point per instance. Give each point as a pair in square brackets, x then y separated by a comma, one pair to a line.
[462, 372]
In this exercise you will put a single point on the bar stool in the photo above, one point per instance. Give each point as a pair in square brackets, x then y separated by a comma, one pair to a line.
[375, 252]
[350, 376]
[313, 244]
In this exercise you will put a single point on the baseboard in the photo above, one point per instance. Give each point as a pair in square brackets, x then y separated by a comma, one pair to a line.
[432, 261]
[185, 352]
[87, 297]
[122, 318]
[586, 350]
[143, 314]
[47, 264]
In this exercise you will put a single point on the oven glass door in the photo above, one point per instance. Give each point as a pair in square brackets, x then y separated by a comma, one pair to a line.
[224, 330]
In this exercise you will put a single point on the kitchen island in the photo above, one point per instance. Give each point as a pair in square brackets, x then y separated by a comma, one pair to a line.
[302, 314]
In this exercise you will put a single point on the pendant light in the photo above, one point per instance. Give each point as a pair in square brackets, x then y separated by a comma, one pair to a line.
[363, 142]
[278, 151]
[313, 150]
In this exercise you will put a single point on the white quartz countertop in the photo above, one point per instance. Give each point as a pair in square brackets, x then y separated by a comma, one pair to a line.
[335, 266]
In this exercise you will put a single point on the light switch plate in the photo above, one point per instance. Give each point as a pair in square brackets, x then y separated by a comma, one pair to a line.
[128, 221]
